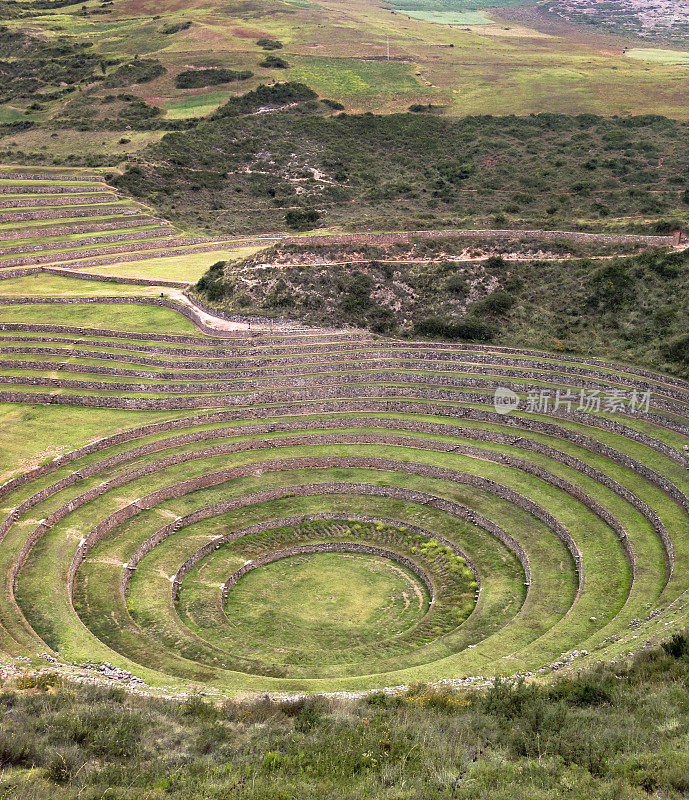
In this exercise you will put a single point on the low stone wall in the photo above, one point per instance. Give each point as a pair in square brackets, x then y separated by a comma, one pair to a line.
[162, 302]
[36, 201]
[209, 480]
[94, 227]
[210, 384]
[17, 272]
[370, 354]
[302, 490]
[393, 439]
[285, 522]
[161, 248]
[328, 547]
[408, 236]
[67, 213]
[291, 396]
[401, 347]
[296, 371]
[96, 276]
[153, 233]
[30, 188]
[49, 176]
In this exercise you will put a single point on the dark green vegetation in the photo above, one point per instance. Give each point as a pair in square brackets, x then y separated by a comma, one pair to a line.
[198, 78]
[273, 62]
[619, 731]
[269, 44]
[136, 71]
[40, 70]
[244, 171]
[632, 308]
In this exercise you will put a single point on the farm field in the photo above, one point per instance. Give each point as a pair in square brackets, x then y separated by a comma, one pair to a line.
[456, 55]
[344, 400]
[546, 536]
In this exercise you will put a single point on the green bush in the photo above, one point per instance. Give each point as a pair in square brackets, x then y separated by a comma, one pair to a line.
[302, 219]
[269, 44]
[199, 78]
[498, 302]
[273, 62]
[134, 72]
[469, 329]
[176, 27]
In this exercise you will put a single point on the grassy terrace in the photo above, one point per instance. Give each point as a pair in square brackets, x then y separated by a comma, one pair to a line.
[73, 224]
[365, 439]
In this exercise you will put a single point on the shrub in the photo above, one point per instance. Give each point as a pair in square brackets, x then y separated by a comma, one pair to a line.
[457, 285]
[176, 27]
[677, 350]
[269, 44]
[199, 78]
[498, 302]
[469, 329]
[678, 646]
[302, 219]
[16, 750]
[611, 285]
[63, 764]
[137, 71]
[273, 62]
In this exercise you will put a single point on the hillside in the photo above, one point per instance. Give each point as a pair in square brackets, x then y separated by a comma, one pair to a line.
[276, 158]
[509, 291]
[344, 400]
[588, 737]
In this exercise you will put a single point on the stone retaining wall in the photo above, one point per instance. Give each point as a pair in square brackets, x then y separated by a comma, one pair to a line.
[287, 522]
[153, 233]
[36, 201]
[302, 490]
[417, 349]
[32, 188]
[68, 230]
[208, 384]
[210, 480]
[296, 368]
[164, 248]
[49, 176]
[401, 441]
[96, 276]
[328, 547]
[67, 213]
[391, 238]
[291, 396]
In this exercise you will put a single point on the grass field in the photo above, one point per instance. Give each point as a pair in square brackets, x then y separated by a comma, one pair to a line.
[542, 536]
[448, 53]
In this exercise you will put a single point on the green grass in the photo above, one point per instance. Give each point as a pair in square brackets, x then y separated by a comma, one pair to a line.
[643, 586]
[449, 17]
[659, 56]
[584, 737]
[180, 268]
[328, 601]
[356, 82]
[48, 285]
[198, 105]
[141, 319]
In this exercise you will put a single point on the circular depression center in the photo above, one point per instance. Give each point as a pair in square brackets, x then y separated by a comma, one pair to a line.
[311, 601]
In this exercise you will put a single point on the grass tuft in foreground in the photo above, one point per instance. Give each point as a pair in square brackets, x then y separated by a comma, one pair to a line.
[617, 731]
